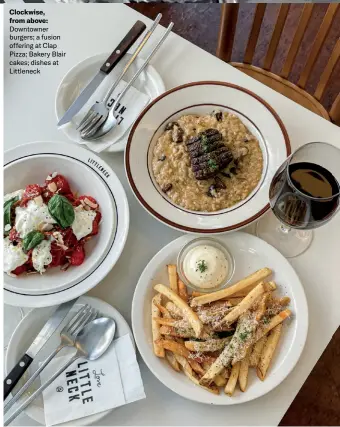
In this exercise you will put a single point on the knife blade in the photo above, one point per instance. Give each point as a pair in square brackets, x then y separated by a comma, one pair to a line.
[115, 57]
[40, 340]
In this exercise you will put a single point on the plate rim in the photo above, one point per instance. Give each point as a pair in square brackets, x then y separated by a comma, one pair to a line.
[122, 229]
[277, 380]
[94, 417]
[151, 210]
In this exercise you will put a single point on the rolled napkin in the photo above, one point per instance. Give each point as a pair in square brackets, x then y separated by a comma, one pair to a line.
[90, 387]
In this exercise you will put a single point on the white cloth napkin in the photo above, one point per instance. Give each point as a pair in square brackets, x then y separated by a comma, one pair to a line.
[131, 105]
[89, 387]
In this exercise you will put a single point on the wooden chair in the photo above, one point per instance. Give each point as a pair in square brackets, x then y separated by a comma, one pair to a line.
[280, 83]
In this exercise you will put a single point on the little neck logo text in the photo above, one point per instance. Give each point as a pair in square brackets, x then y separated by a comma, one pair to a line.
[79, 385]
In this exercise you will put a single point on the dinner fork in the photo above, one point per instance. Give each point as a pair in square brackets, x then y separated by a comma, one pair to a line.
[98, 128]
[67, 338]
[99, 111]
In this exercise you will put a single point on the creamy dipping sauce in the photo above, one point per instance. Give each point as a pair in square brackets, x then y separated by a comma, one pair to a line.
[205, 266]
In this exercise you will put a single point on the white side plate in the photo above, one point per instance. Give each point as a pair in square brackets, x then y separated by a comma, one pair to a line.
[77, 78]
[30, 326]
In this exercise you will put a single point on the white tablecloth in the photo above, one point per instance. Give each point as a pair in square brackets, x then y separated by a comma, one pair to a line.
[29, 116]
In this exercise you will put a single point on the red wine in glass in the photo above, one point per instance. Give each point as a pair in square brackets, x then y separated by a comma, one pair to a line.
[304, 195]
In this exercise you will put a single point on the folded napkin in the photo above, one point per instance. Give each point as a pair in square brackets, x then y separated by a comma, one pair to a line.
[89, 387]
[127, 111]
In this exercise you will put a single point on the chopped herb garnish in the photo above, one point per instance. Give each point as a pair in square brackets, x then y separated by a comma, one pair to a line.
[243, 335]
[202, 266]
[212, 164]
[266, 320]
[204, 139]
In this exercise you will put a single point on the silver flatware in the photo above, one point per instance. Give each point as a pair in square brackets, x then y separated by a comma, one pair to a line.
[40, 340]
[92, 342]
[67, 339]
[98, 130]
[115, 57]
[99, 111]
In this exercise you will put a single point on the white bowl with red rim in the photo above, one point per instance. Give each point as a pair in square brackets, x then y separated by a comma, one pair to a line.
[201, 98]
[87, 174]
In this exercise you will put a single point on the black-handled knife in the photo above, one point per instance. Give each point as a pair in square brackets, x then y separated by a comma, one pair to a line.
[40, 340]
[105, 69]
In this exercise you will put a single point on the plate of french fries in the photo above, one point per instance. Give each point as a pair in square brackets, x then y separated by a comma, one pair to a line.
[224, 347]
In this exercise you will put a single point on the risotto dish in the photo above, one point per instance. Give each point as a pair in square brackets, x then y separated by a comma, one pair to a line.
[208, 162]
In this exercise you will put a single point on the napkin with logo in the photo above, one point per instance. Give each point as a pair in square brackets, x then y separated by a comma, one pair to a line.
[127, 112]
[89, 387]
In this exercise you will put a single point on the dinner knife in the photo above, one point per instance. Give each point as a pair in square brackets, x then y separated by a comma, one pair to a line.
[40, 340]
[104, 71]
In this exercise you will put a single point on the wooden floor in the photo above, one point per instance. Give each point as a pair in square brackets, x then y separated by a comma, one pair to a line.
[318, 402]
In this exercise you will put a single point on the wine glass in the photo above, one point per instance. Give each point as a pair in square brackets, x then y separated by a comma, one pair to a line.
[304, 194]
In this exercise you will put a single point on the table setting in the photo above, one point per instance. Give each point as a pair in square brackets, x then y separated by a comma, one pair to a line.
[209, 236]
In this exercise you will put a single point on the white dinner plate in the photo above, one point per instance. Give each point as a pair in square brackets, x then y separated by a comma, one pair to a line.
[87, 174]
[27, 330]
[202, 98]
[250, 254]
[149, 82]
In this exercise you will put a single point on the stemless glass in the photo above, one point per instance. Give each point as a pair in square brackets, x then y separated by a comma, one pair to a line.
[304, 194]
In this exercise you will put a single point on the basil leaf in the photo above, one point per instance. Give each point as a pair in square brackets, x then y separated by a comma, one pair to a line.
[32, 239]
[61, 210]
[8, 212]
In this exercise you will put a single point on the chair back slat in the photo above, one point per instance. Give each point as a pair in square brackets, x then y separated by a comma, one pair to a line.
[274, 41]
[335, 111]
[318, 42]
[226, 35]
[254, 33]
[298, 36]
[325, 76]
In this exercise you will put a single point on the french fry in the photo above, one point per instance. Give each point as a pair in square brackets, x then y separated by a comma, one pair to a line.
[156, 335]
[173, 309]
[217, 367]
[166, 330]
[182, 290]
[177, 333]
[284, 301]
[231, 384]
[268, 352]
[172, 273]
[187, 369]
[196, 366]
[209, 345]
[220, 380]
[168, 321]
[184, 363]
[248, 301]
[244, 369]
[175, 347]
[261, 305]
[256, 277]
[164, 311]
[276, 320]
[240, 294]
[188, 313]
[170, 357]
[234, 301]
[256, 353]
[213, 389]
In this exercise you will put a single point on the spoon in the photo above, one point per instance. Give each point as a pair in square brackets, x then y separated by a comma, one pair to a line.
[91, 343]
